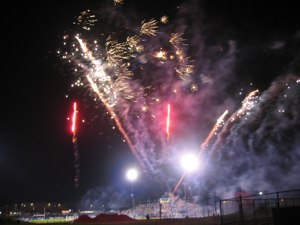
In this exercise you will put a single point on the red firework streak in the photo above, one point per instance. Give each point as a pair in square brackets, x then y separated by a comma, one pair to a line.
[168, 122]
[74, 141]
[74, 117]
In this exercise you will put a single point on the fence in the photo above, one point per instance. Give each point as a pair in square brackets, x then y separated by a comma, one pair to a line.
[278, 208]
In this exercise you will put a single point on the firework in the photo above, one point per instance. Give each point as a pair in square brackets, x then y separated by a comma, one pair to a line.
[111, 70]
[213, 131]
[247, 104]
[194, 87]
[116, 119]
[116, 52]
[131, 68]
[185, 69]
[122, 85]
[99, 77]
[161, 55]
[164, 19]
[93, 79]
[75, 146]
[149, 28]
[86, 20]
[168, 122]
[176, 39]
[134, 43]
[118, 2]
[118, 73]
[74, 118]
[185, 66]
[178, 183]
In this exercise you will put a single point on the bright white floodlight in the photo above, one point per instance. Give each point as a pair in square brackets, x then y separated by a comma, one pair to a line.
[132, 174]
[190, 162]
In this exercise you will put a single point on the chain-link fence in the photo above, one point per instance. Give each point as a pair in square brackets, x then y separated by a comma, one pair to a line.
[278, 208]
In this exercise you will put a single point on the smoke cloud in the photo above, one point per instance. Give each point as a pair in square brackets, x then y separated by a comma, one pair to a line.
[257, 149]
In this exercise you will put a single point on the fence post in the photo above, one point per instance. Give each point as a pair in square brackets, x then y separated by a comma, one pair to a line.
[221, 212]
[215, 207]
[266, 207]
[160, 205]
[241, 210]
[277, 197]
[254, 211]
[278, 208]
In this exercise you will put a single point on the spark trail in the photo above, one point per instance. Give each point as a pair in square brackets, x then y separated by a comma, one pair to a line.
[262, 144]
[107, 106]
[213, 131]
[220, 120]
[75, 146]
[247, 104]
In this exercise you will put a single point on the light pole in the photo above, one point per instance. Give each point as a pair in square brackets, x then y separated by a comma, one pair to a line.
[189, 163]
[132, 175]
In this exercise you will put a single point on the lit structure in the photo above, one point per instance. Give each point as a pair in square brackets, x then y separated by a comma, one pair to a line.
[189, 163]
[132, 175]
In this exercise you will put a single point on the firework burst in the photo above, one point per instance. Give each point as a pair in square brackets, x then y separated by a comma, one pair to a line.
[135, 69]
[120, 2]
[164, 19]
[149, 28]
[86, 20]
[117, 73]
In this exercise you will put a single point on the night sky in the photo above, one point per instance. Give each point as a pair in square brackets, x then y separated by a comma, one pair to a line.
[36, 151]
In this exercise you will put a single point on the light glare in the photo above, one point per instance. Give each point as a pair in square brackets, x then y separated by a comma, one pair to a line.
[132, 174]
[189, 162]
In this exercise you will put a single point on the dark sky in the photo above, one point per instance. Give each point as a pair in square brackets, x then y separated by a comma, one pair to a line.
[36, 152]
